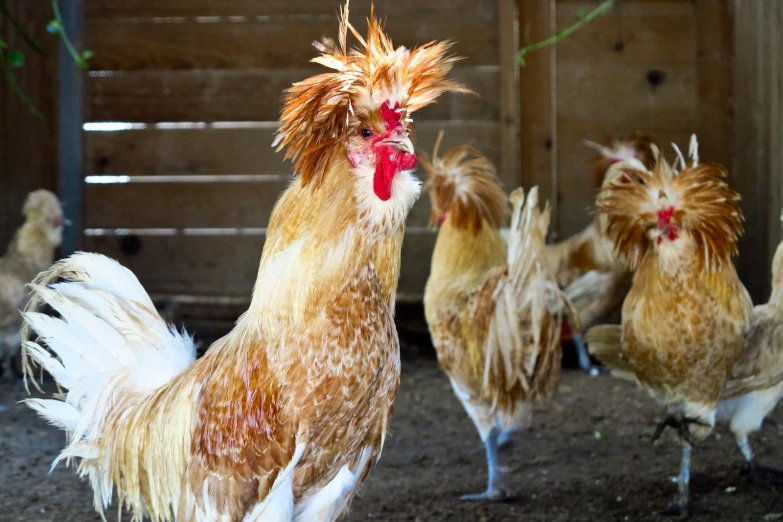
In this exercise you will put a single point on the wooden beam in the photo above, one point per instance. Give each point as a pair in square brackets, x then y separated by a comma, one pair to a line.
[70, 139]
[508, 87]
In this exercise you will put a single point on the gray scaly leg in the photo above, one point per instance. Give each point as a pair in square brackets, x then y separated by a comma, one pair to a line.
[496, 490]
[681, 505]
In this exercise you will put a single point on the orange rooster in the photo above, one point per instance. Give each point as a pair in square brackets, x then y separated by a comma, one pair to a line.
[488, 306]
[31, 250]
[684, 317]
[585, 264]
[282, 419]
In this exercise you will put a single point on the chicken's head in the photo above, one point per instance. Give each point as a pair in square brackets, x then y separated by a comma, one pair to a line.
[671, 213]
[358, 115]
[43, 211]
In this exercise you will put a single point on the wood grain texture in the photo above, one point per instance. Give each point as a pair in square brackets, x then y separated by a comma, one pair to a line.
[227, 265]
[250, 95]
[240, 150]
[28, 145]
[194, 205]
[327, 8]
[631, 32]
[273, 43]
[591, 95]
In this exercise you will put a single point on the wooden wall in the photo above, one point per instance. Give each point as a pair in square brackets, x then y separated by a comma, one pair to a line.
[758, 165]
[200, 81]
[657, 66]
[28, 146]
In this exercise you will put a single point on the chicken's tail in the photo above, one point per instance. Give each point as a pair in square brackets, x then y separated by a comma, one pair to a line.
[109, 348]
[605, 343]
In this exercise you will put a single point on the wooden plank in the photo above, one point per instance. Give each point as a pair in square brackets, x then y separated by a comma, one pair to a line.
[775, 142]
[575, 174]
[134, 45]
[509, 89]
[239, 150]
[227, 265]
[632, 32]
[249, 95]
[536, 119]
[329, 8]
[713, 67]
[591, 95]
[194, 205]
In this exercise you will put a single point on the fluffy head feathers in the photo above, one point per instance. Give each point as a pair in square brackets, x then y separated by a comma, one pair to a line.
[637, 146]
[321, 112]
[645, 207]
[463, 184]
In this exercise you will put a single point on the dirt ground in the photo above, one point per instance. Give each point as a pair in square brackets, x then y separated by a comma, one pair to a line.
[587, 457]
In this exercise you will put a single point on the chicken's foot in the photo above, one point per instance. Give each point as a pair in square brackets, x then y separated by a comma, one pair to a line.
[681, 424]
[496, 490]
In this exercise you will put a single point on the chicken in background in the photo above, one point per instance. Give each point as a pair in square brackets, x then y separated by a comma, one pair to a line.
[31, 250]
[756, 383]
[282, 419]
[684, 317]
[488, 305]
[585, 265]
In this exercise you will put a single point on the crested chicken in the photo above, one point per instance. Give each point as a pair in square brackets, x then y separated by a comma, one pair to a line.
[281, 419]
[755, 385]
[31, 250]
[684, 317]
[489, 305]
[585, 264]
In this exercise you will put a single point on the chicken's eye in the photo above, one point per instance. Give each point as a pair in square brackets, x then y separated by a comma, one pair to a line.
[366, 133]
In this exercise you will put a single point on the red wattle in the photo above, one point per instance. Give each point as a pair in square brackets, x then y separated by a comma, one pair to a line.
[390, 161]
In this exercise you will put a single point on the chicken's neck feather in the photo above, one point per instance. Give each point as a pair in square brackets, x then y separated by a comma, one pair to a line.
[318, 239]
[32, 245]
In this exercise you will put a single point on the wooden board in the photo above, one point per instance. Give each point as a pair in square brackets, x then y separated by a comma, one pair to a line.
[250, 95]
[631, 32]
[239, 150]
[328, 8]
[591, 95]
[227, 265]
[194, 205]
[136, 45]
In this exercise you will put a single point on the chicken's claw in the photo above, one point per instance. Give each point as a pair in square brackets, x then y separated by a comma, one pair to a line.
[491, 495]
[681, 425]
[762, 474]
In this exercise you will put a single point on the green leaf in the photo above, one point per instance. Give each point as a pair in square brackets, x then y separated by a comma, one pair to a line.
[582, 13]
[16, 58]
[54, 26]
[86, 55]
[3, 45]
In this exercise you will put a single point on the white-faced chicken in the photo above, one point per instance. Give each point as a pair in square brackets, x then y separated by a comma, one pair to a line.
[684, 317]
[755, 385]
[31, 250]
[586, 265]
[489, 305]
[282, 419]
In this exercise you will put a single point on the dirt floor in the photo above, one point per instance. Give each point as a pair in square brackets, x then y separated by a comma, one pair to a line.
[588, 457]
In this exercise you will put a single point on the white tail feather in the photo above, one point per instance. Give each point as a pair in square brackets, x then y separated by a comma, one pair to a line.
[108, 342]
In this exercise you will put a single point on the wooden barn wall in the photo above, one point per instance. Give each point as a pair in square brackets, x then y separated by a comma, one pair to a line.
[28, 146]
[657, 66]
[758, 108]
[197, 84]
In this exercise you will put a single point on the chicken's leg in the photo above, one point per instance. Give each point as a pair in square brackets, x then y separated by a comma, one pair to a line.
[496, 490]
[757, 472]
[584, 358]
[681, 505]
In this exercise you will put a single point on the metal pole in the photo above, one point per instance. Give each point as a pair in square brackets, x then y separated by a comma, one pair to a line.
[70, 128]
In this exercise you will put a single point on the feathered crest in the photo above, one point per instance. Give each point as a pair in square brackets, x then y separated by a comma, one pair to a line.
[699, 203]
[463, 184]
[319, 112]
[636, 146]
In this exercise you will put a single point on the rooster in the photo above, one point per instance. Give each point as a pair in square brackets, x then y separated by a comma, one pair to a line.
[756, 383]
[281, 419]
[684, 317]
[31, 251]
[585, 264]
[487, 304]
